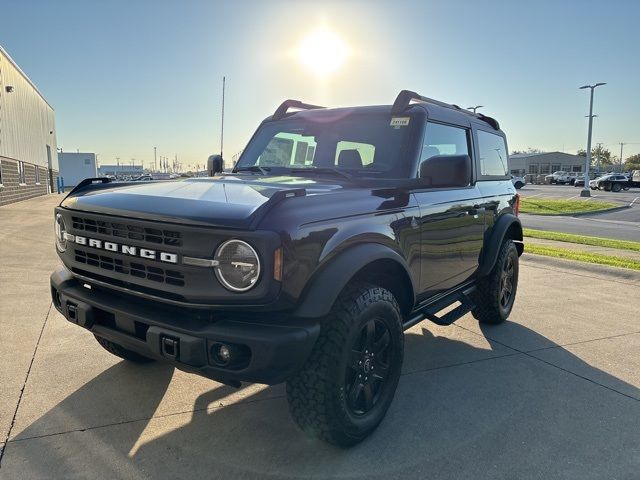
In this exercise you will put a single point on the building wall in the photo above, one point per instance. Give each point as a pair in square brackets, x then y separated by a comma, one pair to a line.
[545, 163]
[75, 167]
[27, 135]
[12, 190]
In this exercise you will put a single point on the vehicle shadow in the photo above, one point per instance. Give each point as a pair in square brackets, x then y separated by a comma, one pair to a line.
[473, 412]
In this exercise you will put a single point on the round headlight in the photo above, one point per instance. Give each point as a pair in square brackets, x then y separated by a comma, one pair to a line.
[238, 266]
[60, 229]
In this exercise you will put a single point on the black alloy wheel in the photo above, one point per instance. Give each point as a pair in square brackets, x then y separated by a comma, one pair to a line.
[506, 282]
[368, 368]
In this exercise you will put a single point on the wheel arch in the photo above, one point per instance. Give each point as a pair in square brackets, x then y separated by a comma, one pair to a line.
[508, 226]
[372, 263]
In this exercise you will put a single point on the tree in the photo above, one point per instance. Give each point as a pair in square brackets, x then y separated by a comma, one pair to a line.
[632, 162]
[528, 150]
[597, 152]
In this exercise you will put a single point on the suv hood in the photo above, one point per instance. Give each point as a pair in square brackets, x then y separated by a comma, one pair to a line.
[225, 201]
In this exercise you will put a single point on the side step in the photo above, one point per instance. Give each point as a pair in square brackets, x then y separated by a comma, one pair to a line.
[430, 311]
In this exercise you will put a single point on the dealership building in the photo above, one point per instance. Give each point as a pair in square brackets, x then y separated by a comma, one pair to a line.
[544, 163]
[28, 155]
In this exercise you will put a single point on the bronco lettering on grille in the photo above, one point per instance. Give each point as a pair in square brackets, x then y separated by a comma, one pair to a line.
[125, 249]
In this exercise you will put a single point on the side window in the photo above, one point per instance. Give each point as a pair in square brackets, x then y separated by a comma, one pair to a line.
[444, 160]
[444, 140]
[288, 149]
[354, 154]
[493, 154]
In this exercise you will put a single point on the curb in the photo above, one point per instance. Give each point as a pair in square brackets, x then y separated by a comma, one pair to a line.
[578, 214]
[619, 274]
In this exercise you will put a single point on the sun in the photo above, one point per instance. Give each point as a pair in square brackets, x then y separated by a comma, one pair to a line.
[323, 51]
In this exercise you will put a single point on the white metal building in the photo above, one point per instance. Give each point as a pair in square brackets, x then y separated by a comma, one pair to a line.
[28, 155]
[76, 166]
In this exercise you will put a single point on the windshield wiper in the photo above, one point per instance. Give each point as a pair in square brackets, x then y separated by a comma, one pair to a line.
[335, 171]
[254, 168]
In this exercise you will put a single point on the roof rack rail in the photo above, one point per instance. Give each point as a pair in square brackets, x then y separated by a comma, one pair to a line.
[284, 107]
[404, 98]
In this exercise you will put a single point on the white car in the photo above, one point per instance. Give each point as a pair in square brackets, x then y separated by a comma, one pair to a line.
[518, 182]
[560, 178]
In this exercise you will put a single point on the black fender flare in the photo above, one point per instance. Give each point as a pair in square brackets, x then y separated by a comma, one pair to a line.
[493, 241]
[325, 285]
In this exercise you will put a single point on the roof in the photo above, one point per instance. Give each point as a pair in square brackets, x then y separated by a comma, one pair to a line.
[542, 154]
[24, 75]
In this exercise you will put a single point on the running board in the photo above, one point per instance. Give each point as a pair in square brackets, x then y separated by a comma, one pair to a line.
[429, 311]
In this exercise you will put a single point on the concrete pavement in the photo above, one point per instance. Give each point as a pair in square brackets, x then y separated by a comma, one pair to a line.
[553, 393]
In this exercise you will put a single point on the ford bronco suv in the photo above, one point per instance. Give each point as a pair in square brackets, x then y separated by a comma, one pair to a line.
[336, 230]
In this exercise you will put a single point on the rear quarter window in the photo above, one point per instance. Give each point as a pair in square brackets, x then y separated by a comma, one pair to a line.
[493, 155]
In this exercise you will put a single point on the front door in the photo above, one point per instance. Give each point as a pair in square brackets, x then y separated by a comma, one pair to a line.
[451, 219]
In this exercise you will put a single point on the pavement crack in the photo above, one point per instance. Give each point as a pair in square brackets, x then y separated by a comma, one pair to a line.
[557, 366]
[24, 385]
[144, 419]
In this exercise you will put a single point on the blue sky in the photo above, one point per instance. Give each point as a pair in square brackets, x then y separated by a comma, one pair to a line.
[125, 76]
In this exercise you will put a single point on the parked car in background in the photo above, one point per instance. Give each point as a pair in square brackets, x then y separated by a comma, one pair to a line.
[579, 180]
[518, 182]
[560, 178]
[611, 183]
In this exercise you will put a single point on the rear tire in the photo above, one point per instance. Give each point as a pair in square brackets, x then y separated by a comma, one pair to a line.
[120, 351]
[495, 293]
[346, 386]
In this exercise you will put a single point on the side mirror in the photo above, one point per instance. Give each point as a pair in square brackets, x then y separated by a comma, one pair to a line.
[215, 165]
[442, 171]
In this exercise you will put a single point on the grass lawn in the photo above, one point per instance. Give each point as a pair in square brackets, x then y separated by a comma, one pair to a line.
[583, 240]
[583, 256]
[562, 207]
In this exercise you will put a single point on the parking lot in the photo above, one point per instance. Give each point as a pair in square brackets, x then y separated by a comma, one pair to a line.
[623, 224]
[569, 192]
[553, 393]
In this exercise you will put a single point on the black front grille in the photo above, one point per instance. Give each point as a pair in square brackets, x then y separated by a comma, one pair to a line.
[135, 269]
[122, 230]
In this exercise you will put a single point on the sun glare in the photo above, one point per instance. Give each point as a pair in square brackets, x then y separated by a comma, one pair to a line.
[323, 52]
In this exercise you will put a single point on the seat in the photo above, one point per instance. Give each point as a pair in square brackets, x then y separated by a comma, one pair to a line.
[429, 152]
[350, 159]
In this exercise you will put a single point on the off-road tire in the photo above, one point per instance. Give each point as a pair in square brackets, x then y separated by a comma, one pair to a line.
[318, 393]
[120, 351]
[488, 293]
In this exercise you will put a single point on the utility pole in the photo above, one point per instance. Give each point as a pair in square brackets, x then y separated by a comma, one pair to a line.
[222, 123]
[621, 145]
[598, 152]
[118, 165]
[154, 157]
[585, 191]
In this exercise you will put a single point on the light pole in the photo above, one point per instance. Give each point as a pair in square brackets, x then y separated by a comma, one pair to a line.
[585, 191]
[154, 158]
[473, 109]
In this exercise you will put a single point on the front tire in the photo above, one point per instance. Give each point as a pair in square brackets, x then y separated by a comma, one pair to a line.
[120, 351]
[519, 185]
[346, 386]
[496, 292]
[616, 187]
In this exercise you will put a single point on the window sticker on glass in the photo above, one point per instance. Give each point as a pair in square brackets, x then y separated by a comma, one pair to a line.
[397, 122]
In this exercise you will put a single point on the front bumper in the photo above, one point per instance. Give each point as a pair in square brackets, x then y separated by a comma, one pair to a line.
[267, 348]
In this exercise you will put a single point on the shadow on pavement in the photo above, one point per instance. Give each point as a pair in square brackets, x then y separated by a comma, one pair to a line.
[504, 417]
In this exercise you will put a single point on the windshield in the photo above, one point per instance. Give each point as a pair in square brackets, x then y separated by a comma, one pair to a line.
[360, 145]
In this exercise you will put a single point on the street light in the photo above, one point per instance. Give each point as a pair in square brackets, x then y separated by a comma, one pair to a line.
[473, 109]
[585, 191]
